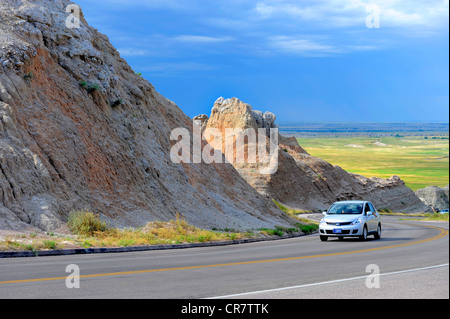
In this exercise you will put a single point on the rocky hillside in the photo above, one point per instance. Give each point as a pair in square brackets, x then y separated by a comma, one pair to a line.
[80, 130]
[435, 197]
[303, 181]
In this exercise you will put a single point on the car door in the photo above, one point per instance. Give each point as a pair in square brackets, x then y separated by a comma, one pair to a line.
[370, 218]
[376, 218]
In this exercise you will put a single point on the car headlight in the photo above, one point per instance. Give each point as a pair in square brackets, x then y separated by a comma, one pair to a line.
[323, 222]
[357, 222]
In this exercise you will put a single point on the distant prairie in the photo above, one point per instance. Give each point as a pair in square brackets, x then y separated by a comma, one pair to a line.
[417, 152]
[368, 129]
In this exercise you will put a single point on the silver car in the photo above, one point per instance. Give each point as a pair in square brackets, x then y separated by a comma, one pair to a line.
[350, 219]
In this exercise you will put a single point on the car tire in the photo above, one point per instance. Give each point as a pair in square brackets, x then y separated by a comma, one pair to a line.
[378, 233]
[364, 235]
[323, 238]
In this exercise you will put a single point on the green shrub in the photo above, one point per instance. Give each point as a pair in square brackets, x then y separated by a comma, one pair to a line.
[308, 229]
[278, 231]
[48, 244]
[117, 103]
[91, 87]
[436, 217]
[126, 242]
[86, 223]
[86, 244]
[28, 76]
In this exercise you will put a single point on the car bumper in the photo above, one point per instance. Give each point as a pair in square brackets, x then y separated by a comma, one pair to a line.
[341, 231]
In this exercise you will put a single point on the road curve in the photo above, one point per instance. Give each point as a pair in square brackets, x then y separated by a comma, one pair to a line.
[410, 254]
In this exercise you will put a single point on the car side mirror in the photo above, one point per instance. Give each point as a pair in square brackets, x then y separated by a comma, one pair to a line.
[324, 213]
[369, 213]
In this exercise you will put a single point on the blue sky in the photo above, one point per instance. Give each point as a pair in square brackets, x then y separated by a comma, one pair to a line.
[303, 60]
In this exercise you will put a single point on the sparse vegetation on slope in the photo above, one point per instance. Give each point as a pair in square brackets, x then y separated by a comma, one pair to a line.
[290, 211]
[85, 223]
[89, 231]
[90, 87]
[92, 230]
[304, 225]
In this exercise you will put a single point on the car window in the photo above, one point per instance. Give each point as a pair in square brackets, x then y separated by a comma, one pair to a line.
[374, 211]
[346, 209]
[366, 208]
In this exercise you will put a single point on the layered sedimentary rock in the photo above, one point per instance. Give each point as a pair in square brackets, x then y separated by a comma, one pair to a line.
[303, 181]
[80, 130]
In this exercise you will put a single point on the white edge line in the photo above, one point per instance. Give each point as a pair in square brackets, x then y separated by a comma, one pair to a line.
[327, 282]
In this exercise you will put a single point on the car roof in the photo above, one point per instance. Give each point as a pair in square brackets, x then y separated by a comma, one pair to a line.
[352, 202]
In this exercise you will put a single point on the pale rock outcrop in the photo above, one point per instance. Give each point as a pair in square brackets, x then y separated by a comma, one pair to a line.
[202, 119]
[435, 197]
[302, 181]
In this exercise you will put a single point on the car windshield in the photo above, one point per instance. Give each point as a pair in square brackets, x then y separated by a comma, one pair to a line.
[346, 209]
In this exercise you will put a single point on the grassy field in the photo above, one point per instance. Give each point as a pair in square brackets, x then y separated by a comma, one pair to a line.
[420, 161]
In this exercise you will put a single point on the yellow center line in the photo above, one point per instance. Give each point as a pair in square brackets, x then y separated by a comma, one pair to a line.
[444, 233]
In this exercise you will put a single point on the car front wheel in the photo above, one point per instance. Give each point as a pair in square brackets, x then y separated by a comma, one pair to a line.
[323, 238]
[364, 235]
[378, 233]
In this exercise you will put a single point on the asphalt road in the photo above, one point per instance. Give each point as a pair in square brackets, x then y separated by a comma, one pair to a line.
[412, 259]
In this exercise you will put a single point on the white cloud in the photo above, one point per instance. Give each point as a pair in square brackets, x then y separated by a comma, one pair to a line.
[269, 27]
[170, 68]
[360, 48]
[317, 47]
[131, 52]
[163, 46]
[431, 14]
[301, 46]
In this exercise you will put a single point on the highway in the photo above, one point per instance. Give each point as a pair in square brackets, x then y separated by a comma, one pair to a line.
[411, 258]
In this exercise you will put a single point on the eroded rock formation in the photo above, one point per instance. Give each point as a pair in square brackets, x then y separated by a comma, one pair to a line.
[435, 197]
[303, 181]
[80, 130]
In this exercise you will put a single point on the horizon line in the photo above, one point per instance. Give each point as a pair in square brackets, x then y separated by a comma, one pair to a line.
[365, 122]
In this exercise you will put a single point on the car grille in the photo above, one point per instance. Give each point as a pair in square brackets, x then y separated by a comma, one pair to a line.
[344, 232]
[339, 224]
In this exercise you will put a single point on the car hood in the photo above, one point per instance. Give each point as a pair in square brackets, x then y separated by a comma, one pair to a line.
[341, 218]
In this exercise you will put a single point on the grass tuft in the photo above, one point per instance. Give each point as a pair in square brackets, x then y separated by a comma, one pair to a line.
[304, 225]
[85, 223]
[90, 87]
[290, 211]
